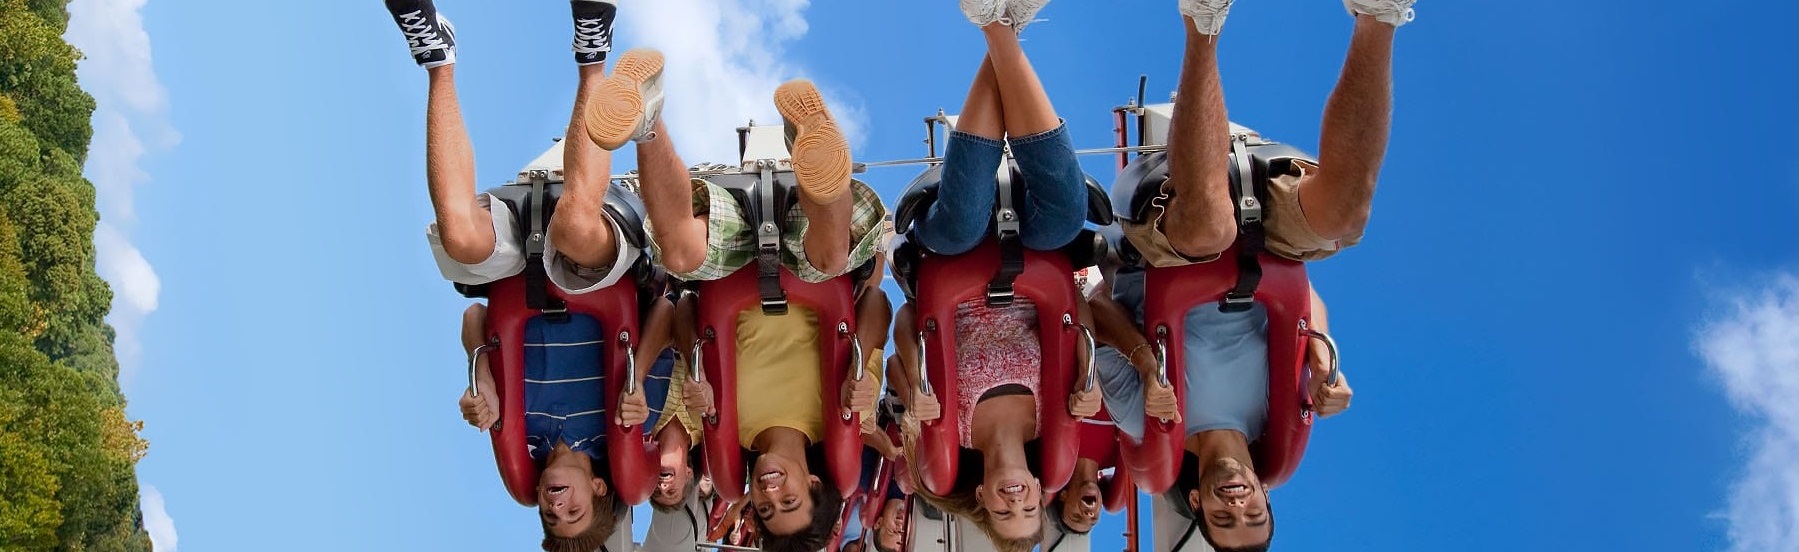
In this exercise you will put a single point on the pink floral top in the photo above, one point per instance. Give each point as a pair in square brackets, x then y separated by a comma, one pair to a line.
[994, 346]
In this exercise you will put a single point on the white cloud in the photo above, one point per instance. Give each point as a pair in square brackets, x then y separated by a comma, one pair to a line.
[724, 60]
[130, 121]
[157, 522]
[1752, 347]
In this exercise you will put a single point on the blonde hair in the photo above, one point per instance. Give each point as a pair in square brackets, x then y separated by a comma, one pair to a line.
[960, 502]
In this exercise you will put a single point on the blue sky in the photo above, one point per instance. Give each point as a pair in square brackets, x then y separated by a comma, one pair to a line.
[1572, 191]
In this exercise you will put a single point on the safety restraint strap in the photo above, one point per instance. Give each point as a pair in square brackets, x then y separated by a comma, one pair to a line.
[1011, 249]
[537, 295]
[1251, 238]
[768, 244]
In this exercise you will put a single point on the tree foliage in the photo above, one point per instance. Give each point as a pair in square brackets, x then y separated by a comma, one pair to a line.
[67, 479]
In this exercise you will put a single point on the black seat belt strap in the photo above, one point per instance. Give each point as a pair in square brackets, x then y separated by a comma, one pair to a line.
[537, 283]
[1251, 236]
[768, 243]
[1011, 248]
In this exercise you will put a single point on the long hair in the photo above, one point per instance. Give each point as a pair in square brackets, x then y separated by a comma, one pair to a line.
[961, 500]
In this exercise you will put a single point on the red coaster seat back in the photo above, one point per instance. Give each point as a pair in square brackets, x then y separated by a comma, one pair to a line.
[1286, 294]
[767, 286]
[1241, 275]
[514, 301]
[936, 284]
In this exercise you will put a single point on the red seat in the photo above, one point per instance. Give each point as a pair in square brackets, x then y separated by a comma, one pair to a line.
[720, 303]
[1285, 292]
[946, 281]
[633, 466]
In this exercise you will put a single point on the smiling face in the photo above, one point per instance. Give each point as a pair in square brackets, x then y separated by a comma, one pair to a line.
[565, 497]
[782, 494]
[1014, 502]
[1233, 504]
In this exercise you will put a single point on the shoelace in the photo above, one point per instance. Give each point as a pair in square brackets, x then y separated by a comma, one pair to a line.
[591, 37]
[421, 37]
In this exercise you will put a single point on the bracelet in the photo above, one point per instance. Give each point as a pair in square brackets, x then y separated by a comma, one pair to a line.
[1133, 353]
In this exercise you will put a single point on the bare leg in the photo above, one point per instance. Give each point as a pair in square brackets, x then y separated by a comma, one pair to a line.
[667, 188]
[466, 228]
[982, 114]
[1028, 110]
[1354, 135]
[827, 241]
[821, 164]
[580, 229]
[1200, 220]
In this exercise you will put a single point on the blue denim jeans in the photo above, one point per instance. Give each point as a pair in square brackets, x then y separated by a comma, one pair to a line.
[1051, 212]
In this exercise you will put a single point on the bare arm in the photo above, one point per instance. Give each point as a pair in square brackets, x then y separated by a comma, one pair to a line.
[658, 334]
[1330, 399]
[1114, 327]
[480, 406]
[872, 318]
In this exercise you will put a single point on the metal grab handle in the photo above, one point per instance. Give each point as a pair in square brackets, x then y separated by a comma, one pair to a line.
[1162, 361]
[474, 357]
[696, 372]
[1092, 350]
[924, 376]
[624, 340]
[1330, 346]
[856, 359]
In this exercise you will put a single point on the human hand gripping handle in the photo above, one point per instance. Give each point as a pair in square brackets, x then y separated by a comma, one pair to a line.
[1330, 390]
[480, 405]
[1158, 397]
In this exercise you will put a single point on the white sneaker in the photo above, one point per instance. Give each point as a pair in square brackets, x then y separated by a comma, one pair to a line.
[985, 12]
[1023, 12]
[628, 102]
[1391, 12]
[1208, 15]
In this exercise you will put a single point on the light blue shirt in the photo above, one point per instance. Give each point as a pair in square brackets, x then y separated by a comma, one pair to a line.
[1226, 367]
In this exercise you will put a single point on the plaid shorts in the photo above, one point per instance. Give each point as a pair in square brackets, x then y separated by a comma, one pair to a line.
[731, 242]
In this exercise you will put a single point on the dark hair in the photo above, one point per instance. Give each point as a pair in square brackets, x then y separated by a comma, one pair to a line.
[1185, 482]
[879, 548]
[607, 511]
[826, 506]
[1206, 534]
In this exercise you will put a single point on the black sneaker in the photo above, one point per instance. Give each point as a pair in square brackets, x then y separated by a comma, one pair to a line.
[428, 34]
[593, 29]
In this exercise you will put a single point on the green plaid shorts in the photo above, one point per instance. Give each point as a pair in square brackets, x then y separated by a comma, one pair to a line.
[731, 242]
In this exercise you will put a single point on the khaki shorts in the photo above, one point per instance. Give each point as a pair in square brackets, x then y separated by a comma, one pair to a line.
[1289, 235]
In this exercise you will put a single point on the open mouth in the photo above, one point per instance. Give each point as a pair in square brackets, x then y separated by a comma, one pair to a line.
[1233, 489]
[558, 489]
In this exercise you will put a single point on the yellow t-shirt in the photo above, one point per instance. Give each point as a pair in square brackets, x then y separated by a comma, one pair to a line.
[778, 383]
[777, 373]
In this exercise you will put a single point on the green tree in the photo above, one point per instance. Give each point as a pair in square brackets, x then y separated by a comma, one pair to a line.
[67, 451]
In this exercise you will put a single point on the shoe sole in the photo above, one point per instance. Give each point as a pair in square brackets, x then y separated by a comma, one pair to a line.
[616, 111]
[821, 155]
